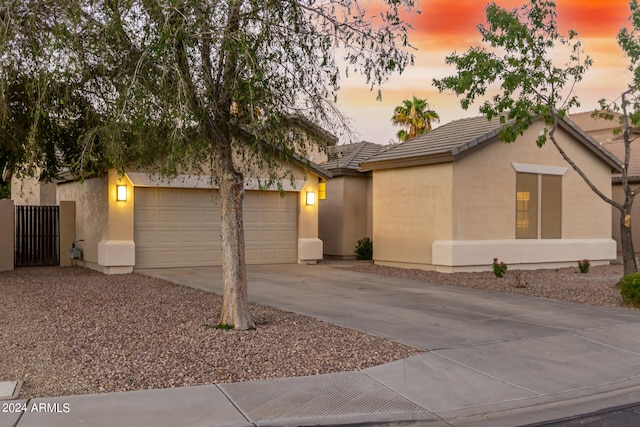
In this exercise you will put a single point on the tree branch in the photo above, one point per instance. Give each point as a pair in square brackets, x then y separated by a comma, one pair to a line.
[579, 171]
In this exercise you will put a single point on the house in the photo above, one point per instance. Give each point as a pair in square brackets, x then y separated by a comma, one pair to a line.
[603, 131]
[457, 197]
[140, 220]
[345, 215]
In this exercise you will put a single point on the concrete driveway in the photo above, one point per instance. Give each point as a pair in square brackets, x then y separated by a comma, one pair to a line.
[493, 358]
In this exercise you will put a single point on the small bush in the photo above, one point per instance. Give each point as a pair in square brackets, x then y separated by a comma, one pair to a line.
[584, 265]
[499, 268]
[364, 249]
[630, 289]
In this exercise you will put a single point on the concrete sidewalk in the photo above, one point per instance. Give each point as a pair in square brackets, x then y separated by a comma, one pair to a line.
[494, 360]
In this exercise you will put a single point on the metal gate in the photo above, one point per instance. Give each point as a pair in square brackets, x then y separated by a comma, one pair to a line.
[37, 236]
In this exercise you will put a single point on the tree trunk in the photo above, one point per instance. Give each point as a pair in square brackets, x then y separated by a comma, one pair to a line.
[626, 240]
[235, 306]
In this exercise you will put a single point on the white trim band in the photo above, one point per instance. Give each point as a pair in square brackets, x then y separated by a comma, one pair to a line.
[467, 253]
[541, 169]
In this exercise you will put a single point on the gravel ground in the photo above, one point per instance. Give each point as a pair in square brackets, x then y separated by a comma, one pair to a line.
[598, 287]
[67, 331]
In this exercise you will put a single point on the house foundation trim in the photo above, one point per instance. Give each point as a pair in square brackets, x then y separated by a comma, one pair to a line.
[309, 250]
[478, 255]
[116, 256]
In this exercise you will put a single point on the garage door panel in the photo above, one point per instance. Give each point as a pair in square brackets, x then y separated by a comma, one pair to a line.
[168, 215]
[181, 227]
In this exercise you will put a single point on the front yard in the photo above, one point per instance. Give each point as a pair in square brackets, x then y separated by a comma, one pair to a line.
[67, 331]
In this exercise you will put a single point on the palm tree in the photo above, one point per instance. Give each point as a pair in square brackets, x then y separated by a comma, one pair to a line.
[416, 115]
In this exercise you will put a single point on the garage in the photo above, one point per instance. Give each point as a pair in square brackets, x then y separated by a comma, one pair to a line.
[177, 227]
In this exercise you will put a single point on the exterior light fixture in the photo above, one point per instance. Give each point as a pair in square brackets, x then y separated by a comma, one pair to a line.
[121, 194]
[311, 198]
[322, 191]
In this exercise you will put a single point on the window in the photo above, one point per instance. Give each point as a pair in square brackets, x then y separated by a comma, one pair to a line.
[538, 206]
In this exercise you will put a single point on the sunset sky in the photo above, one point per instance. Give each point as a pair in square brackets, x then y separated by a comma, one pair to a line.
[446, 26]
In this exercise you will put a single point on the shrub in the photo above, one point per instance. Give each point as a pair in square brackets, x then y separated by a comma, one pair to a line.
[630, 289]
[364, 249]
[499, 268]
[584, 265]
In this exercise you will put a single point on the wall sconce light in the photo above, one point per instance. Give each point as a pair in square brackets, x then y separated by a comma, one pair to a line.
[121, 194]
[311, 198]
[322, 190]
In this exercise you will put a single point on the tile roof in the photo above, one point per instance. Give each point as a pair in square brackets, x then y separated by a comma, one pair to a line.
[349, 156]
[616, 147]
[452, 139]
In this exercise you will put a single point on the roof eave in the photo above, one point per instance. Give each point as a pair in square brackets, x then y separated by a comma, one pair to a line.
[406, 162]
[348, 172]
[617, 179]
[311, 167]
[593, 145]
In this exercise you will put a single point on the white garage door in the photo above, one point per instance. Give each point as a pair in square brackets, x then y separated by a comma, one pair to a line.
[181, 227]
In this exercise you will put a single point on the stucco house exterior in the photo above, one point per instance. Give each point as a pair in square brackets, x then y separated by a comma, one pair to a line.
[346, 213]
[457, 197]
[603, 131]
[140, 220]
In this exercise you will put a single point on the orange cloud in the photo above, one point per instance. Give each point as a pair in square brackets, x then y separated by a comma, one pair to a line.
[445, 26]
[593, 18]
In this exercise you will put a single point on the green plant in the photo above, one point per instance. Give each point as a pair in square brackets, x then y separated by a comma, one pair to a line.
[630, 289]
[499, 268]
[224, 326]
[364, 249]
[584, 265]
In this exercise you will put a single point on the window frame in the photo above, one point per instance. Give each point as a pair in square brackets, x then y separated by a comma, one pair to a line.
[547, 223]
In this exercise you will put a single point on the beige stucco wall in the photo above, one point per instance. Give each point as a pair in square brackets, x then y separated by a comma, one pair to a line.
[331, 224]
[120, 225]
[412, 208]
[308, 214]
[7, 234]
[102, 220]
[484, 189]
[345, 215]
[67, 231]
[29, 191]
[92, 209]
[370, 207]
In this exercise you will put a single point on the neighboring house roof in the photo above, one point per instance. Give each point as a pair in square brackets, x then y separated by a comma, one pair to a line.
[594, 124]
[617, 148]
[345, 159]
[603, 131]
[455, 139]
